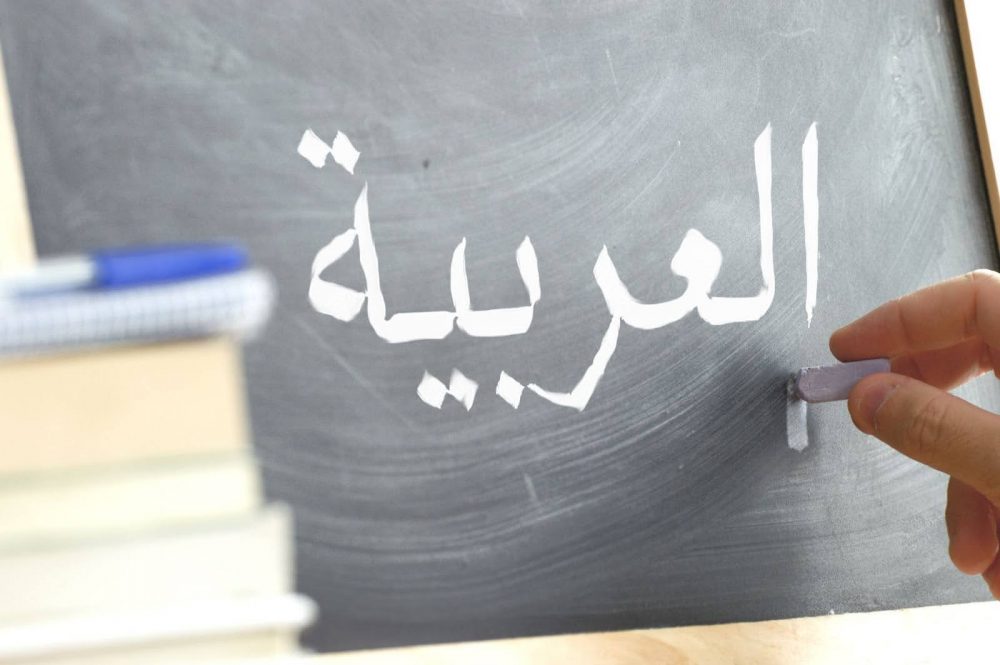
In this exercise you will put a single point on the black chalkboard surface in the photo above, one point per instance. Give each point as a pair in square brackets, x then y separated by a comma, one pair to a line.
[666, 494]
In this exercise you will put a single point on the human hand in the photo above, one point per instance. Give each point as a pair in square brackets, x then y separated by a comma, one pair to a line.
[938, 338]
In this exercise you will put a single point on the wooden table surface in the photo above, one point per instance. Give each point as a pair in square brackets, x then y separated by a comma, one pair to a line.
[942, 634]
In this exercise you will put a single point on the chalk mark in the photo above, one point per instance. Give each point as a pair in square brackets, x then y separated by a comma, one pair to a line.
[365, 384]
[614, 77]
[530, 486]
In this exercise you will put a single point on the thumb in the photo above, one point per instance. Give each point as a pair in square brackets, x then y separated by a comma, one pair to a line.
[931, 426]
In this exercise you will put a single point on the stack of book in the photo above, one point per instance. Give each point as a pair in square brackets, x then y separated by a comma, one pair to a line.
[133, 526]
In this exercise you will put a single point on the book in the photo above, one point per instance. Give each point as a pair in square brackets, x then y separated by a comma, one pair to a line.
[123, 404]
[186, 633]
[237, 303]
[237, 558]
[39, 508]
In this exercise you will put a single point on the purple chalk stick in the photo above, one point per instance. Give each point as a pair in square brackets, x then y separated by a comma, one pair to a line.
[827, 384]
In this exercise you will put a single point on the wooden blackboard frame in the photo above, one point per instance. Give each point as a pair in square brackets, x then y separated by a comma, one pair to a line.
[891, 636]
[985, 15]
[941, 634]
[17, 248]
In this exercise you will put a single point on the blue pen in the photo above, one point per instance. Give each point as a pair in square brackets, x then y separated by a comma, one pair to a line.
[123, 268]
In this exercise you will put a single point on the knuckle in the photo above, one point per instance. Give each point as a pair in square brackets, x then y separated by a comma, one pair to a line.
[970, 316]
[903, 324]
[927, 433]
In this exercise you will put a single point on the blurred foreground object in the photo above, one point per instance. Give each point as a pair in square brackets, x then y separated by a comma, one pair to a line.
[133, 526]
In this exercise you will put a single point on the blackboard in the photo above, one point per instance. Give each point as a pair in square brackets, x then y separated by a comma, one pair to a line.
[671, 498]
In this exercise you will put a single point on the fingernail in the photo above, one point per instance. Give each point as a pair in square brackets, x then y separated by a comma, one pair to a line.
[871, 401]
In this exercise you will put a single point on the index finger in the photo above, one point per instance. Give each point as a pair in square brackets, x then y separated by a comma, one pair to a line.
[934, 317]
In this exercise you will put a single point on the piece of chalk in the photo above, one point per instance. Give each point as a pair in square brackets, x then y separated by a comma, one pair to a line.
[796, 421]
[834, 382]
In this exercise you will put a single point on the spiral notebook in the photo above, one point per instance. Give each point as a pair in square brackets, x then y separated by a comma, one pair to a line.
[237, 303]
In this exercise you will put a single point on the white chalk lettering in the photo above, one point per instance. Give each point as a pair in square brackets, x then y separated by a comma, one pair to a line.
[698, 261]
